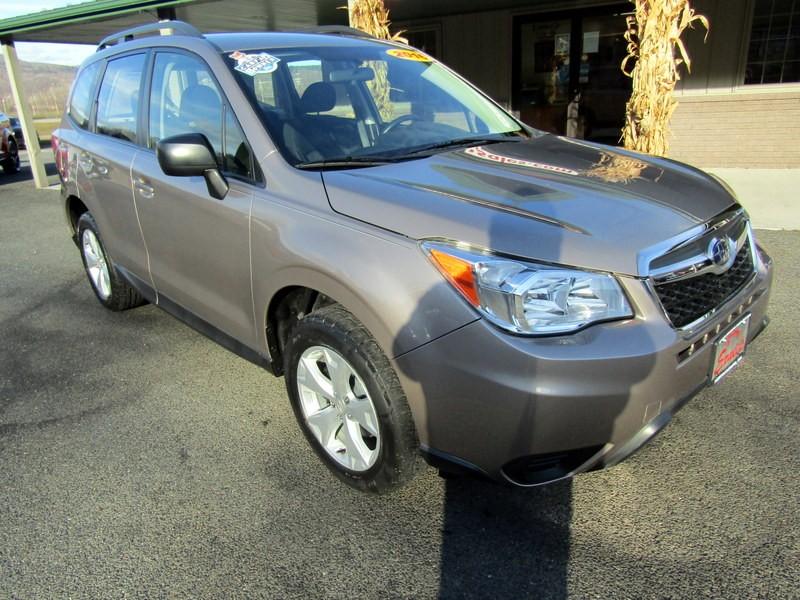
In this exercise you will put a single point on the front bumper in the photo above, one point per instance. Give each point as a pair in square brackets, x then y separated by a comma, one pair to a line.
[534, 410]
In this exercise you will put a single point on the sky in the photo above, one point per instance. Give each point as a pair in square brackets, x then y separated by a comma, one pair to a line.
[59, 54]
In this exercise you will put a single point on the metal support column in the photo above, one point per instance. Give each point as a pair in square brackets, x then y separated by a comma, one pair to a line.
[24, 113]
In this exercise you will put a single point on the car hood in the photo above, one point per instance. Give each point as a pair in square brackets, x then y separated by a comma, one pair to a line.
[548, 198]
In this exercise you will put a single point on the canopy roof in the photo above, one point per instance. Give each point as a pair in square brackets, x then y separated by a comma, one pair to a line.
[89, 22]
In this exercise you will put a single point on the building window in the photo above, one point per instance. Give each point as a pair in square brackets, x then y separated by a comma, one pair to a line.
[427, 39]
[774, 52]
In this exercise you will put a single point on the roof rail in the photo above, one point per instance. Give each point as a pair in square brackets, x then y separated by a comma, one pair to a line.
[173, 27]
[333, 30]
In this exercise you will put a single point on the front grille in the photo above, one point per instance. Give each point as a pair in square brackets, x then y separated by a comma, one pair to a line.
[688, 300]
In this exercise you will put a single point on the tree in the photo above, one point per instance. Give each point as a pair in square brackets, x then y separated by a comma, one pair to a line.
[656, 51]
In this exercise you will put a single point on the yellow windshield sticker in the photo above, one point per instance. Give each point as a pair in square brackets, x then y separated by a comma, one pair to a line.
[408, 55]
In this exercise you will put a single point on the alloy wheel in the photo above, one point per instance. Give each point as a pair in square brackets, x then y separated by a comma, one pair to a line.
[338, 409]
[96, 264]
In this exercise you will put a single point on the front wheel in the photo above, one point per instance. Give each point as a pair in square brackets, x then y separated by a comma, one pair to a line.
[349, 402]
[111, 290]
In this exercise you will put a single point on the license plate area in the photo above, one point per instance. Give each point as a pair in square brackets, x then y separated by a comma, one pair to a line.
[729, 350]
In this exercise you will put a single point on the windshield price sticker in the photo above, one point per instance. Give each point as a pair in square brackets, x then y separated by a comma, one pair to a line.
[253, 64]
[408, 55]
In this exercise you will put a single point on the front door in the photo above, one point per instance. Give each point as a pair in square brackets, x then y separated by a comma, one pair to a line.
[199, 247]
[572, 57]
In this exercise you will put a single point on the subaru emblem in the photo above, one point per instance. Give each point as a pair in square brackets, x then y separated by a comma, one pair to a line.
[720, 251]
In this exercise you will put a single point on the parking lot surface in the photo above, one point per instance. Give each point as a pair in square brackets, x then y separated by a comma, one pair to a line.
[140, 460]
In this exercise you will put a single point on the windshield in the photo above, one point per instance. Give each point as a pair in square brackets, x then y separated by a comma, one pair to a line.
[364, 103]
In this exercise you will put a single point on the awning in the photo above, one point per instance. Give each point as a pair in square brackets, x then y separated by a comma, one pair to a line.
[89, 22]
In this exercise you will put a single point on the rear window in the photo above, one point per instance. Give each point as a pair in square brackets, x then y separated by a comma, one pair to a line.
[80, 104]
[118, 100]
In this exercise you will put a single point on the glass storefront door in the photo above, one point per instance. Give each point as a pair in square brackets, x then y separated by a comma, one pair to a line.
[572, 58]
[544, 81]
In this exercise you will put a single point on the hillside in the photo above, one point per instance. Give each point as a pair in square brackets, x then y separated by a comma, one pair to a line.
[47, 87]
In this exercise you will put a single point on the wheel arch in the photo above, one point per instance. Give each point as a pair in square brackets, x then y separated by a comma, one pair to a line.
[299, 291]
[74, 208]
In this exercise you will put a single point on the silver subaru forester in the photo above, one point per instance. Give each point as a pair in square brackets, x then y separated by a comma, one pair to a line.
[432, 277]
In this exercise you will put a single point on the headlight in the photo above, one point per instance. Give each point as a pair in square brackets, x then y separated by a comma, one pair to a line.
[529, 298]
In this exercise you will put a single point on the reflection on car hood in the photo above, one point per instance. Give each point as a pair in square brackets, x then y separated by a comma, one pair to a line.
[548, 198]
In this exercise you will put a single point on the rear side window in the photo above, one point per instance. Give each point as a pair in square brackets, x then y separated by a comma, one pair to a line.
[264, 88]
[80, 104]
[118, 100]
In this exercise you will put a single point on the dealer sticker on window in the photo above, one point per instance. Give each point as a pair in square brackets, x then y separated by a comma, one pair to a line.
[253, 64]
[408, 55]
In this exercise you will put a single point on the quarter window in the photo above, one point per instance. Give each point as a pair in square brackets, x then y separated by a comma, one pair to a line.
[238, 160]
[80, 105]
[118, 100]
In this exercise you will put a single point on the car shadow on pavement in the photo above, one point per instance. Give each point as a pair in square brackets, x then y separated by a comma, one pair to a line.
[25, 173]
[501, 542]
[498, 541]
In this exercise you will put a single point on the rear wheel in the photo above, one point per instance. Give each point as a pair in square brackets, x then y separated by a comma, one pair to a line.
[349, 402]
[11, 163]
[111, 290]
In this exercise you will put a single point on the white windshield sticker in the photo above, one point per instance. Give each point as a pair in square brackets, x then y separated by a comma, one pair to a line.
[253, 64]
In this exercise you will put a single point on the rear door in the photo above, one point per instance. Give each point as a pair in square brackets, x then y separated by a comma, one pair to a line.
[199, 246]
[104, 155]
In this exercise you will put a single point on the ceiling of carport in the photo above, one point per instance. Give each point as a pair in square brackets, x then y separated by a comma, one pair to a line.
[206, 15]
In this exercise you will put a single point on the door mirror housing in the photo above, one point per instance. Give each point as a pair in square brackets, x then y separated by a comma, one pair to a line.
[191, 154]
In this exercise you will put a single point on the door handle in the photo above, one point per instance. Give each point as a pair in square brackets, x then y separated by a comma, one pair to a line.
[145, 189]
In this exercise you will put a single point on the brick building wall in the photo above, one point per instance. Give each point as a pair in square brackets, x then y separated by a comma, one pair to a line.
[757, 130]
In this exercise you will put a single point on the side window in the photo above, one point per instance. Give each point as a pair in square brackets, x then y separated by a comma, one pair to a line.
[264, 88]
[185, 99]
[304, 73]
[307, 76]
[118, 100]
[238, 159]
[80, 104]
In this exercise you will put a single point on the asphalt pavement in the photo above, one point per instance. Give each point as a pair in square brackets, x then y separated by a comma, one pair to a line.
[140, 460]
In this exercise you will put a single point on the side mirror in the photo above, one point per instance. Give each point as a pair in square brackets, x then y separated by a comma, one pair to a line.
[191, 154]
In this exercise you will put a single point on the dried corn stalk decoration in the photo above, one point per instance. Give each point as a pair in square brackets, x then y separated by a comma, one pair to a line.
[372, 17]
[654, 43]
[617, 168]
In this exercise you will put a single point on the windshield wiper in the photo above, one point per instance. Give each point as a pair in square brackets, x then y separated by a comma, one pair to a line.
[470, 141]
[347, 162]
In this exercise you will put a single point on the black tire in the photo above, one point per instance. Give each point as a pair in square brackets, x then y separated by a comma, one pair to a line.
[11, 164]
[122, 295]
[398, 459]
